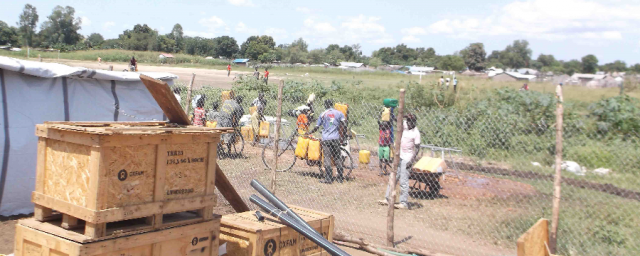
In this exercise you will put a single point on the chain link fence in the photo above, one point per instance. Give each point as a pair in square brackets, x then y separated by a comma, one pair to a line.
[498, 146]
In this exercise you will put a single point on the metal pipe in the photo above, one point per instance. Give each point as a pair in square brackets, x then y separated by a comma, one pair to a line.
[311, 235]
[278, 203]
[259, 216]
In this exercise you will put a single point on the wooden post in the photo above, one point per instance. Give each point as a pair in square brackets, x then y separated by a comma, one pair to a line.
[58, 54]
[39, 58]
[277, 136]
[553, 238]
[110, 67]
[394, 170]
[193, 77]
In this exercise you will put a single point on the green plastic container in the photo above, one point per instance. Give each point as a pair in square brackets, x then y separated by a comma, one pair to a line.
[390, 103]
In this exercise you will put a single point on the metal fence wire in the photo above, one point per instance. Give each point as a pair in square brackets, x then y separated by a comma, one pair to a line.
[498, 146]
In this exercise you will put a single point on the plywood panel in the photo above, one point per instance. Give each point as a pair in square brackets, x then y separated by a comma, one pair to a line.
[186, 170]
[130, 172]
[67, 172]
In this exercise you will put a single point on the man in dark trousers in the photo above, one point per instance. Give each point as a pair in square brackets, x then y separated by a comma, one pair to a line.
[266, 76]
[228, 70]
[330, 120]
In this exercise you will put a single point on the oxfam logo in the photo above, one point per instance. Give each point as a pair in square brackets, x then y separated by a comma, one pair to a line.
[122, 175]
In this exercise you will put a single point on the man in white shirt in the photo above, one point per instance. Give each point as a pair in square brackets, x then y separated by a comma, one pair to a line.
[409, 148]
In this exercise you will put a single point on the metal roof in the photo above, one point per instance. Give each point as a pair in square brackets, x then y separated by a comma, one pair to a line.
[240, 60]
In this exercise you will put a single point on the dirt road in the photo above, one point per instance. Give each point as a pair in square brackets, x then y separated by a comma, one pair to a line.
[204, 77]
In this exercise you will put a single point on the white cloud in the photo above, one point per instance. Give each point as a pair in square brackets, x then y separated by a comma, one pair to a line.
[199, 33]
[242, 28]
[365, 29]
[214, 25]
[247, 3]
[549, 20]
[107, 25]
[277, 33]
[304, 10]
[347, 30]
[85, 21]
[319, 27]
[414, 31]
[411, 39]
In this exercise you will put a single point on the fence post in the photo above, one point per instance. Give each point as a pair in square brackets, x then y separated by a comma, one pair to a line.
[39, 58]
[110, 67]
[277, 136]
[193, 77]
[557, 182]
[394, 170]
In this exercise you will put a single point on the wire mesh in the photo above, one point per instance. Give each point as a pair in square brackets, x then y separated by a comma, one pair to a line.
[498, 146]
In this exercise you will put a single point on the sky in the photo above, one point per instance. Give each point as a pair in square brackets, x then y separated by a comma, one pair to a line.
[568, 29]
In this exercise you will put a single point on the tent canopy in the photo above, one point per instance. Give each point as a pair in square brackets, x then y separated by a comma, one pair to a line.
[35, 92]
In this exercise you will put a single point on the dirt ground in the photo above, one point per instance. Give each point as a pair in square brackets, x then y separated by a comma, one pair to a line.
[204, 77]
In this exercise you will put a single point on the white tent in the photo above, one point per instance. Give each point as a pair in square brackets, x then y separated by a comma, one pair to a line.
[35, 92]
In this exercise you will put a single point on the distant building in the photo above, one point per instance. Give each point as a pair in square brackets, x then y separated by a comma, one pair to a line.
[165, 55]
[351, 65]
[241, 62]
[528, 71]
[512, 77]
[585, 78]
[420, 70]
[493, 71]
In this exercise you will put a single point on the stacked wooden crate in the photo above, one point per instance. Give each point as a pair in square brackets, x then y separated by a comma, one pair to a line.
[243, 235]
[143, 188]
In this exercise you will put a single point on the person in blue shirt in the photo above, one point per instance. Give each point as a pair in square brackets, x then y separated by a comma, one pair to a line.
[330, 120]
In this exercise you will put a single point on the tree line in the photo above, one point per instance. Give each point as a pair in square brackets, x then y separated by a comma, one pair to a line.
[60, 30]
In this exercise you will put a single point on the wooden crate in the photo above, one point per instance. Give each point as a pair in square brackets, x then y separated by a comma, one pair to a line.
[103, 173]
[244, 235]
[193, 240]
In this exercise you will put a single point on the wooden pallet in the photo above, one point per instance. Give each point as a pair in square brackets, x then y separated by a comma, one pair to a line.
[102, 172]
[117, 222]
[244, 235]
[193, 240]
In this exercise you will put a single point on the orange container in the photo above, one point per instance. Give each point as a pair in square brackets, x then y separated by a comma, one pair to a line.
[342, 108]
[264, 129]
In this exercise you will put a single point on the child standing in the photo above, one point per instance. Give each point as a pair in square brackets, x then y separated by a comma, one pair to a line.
[384, 143]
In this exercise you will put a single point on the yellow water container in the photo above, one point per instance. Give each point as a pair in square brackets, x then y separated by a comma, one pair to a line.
[342, 108]
[212, 124]
[301, 147]
[226, 95]
[364, 156]
[386, 115]
[247, 133]
[314, 150]
[264, 129]
[430, 165]
[253, 110]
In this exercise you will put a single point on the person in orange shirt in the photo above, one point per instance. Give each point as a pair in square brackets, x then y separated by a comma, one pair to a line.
[303, 122]
[266, 75]
[228, 70]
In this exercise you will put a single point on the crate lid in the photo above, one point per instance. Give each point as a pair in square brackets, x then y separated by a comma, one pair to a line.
[247, 220]
[109, 128]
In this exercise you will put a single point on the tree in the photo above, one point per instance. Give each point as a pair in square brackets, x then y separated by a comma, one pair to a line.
[451, 62]
[589, 64]
[300, 44]
[178, 36]
[9, 35]
[375, 62]
[165, 44]
[141, 38]
[332, 47]
[335, 57]
[316, 56]
[256, 46]
[199, 46]
[94, 40]
[635, 68]
[516, 55]
[474, 56]
[616, 66]
[61, 27]
[225, 46]
[27, 24]
[571, 67]
[547, 60]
